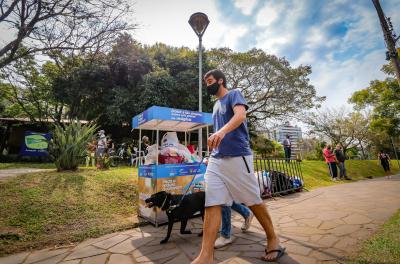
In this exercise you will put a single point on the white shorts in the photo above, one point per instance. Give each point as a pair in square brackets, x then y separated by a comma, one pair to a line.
[231, 179]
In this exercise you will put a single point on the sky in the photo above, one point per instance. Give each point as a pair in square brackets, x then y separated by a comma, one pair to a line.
[341, 39]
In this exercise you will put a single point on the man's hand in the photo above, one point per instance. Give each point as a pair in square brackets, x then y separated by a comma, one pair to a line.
[215, 139]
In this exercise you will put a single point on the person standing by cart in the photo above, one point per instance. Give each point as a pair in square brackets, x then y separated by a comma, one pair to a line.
[230, 176]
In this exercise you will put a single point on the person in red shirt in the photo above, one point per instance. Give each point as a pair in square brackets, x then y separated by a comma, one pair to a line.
[330, 159]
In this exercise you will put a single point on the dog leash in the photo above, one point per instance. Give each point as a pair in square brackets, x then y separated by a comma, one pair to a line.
[173, 207]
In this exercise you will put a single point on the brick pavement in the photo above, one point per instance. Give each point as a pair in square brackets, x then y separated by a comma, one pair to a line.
[325, 225]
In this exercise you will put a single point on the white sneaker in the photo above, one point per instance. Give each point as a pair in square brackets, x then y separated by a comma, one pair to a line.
[222, 242]
[247, 222]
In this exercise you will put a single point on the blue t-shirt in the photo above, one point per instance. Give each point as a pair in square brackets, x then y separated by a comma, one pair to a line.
[236, 142]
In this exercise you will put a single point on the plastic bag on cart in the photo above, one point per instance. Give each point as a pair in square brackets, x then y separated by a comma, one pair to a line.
[151, 157]
[189, 157]
[170, 139]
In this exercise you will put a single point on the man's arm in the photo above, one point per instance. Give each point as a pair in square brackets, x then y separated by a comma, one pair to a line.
[238, 117]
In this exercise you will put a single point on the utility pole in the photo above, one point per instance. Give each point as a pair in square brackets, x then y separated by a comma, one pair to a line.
[390, 38]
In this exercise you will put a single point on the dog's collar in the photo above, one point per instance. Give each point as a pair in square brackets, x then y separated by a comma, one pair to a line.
[166, 206]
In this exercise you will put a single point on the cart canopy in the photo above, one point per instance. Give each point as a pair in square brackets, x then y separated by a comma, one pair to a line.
[171, 119]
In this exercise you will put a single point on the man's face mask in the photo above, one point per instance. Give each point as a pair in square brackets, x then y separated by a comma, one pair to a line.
[213, 88]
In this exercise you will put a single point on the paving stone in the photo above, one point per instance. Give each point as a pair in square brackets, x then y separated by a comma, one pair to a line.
[93, 241]
[329, 225]
[315, 238]
[254, 247]
[285, 219]
[105, 244]
[180, 259]
[356, 219]
[130, 245]
[53, 260]
[120, 259]
[297, 249]
[75, 261]
[347, 244]
[331, 215]
[299, 259]
[14, 259]
[327, 241]
[242, 241]
[243, 260]
[43, 255]
[85, 252]
[302, 231]
[344, 230]
[143, 251]
[223, 255]
[190, 250]
[159, 255]
[321, 255]
[313, 222]
[99, 259]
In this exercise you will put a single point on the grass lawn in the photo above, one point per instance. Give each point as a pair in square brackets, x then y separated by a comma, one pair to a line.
[49, 208]
[383, 247]
[316, 173]
[17, 165]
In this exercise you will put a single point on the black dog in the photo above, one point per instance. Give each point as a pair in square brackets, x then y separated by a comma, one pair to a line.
[190, 204]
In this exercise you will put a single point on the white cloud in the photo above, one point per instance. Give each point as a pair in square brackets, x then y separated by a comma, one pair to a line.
[168, 23]
[245, 6]
[338, 80]
[268, 14]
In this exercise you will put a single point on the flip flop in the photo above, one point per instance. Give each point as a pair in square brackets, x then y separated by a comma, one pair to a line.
[280, 250]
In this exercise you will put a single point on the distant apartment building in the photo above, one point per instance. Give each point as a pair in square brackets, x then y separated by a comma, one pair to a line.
[294, 132]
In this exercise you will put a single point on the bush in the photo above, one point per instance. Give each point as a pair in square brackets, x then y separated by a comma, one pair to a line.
[69, 143]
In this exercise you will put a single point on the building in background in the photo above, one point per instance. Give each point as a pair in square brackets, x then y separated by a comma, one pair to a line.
[294, 132]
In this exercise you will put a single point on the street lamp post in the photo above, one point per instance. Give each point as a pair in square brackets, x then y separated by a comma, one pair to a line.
[199, 22]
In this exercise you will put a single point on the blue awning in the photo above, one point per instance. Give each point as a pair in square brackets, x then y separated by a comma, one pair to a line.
[171, 119]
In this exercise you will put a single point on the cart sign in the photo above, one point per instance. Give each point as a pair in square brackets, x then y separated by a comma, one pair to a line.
[35, 144]
[172, 178]
[171, 114]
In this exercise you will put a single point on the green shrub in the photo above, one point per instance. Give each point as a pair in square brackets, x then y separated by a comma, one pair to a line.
[69, 143]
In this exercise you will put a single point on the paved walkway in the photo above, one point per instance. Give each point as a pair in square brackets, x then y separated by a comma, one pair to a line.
[7, 173]
[321, 226]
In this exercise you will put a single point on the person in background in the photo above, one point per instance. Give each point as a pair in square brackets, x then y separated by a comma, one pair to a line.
[101, 144]
[287, 146]
[145, 144]
[341, 158]
[385, 162]
[330, 159]
[226, 226]
[91, 153]
[110, 145]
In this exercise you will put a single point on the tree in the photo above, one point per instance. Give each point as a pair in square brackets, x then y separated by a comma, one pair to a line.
[348, 129]
[383, 97]
[271, 86]
[28, 91]
[266, 147]
[40, 26]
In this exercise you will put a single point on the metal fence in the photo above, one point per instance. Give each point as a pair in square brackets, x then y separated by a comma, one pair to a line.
[277, 176]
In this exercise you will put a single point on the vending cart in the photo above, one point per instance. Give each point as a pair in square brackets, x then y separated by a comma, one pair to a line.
[175, 178]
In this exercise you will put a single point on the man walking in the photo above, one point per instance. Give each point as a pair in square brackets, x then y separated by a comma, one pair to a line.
[287, 146]
[230, 175]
